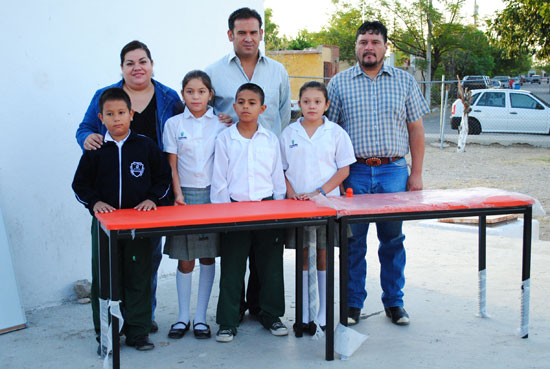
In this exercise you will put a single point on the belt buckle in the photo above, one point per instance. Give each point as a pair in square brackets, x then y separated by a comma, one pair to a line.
[373, 162]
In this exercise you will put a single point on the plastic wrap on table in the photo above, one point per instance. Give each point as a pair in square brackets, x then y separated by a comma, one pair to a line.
[428, 200]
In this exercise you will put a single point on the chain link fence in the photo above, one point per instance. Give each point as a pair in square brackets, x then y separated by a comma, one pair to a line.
[496, 112]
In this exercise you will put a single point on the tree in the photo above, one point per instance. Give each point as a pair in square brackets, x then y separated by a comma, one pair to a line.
[302, 41]
[407, 30]
[341, 29]
[523, 26]
[271, 33]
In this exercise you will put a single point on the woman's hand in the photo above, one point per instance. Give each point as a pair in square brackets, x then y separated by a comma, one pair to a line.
[93, 141]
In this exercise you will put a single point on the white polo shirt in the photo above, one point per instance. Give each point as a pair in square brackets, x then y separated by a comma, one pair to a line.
[247, 169]
[310, 162]
[192, 140]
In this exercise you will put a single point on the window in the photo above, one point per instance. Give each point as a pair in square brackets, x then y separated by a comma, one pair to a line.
[495, 99]
[522, 101]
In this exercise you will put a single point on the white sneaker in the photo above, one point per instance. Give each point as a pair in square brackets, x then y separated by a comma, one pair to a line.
[278, 329]
[224, 335]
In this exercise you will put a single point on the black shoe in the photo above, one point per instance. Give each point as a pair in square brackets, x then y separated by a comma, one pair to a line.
[141, 343]
[354, 315]
[178, 333]
[309, 328]
[398, 315]
[203, 332]
[154, 327]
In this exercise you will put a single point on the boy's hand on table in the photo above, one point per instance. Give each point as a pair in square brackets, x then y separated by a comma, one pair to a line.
[306, 196]
[93, 141]
[146, 205]
[103, 207]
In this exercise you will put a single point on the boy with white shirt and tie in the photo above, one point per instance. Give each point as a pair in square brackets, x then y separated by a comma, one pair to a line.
[247, 167]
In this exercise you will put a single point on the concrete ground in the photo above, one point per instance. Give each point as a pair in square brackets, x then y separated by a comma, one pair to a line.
[441, 297]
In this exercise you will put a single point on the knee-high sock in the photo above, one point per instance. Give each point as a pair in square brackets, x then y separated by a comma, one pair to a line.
[183, 284]
[322, 283]
[206, 280]
[305, 297]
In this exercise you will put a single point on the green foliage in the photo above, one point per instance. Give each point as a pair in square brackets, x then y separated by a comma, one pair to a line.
[510, 66]
[302, 41]
[522, 27]
[271, 33]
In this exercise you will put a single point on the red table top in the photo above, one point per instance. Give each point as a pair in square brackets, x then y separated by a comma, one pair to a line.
[401, 202]
[427, 200]
[247, 211]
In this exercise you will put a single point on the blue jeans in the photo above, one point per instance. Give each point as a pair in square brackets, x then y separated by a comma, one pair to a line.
[385, 178]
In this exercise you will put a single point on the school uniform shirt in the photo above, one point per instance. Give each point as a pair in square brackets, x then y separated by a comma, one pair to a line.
[193, 140]
[247, 169]
[122, 174]
[310, 162]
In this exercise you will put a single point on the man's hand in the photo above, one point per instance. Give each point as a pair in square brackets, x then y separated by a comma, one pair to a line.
[225, 118]
[146, 205]
[414, 183]
[93, 141]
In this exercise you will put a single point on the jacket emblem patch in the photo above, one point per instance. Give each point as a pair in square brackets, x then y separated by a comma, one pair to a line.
[137, 168]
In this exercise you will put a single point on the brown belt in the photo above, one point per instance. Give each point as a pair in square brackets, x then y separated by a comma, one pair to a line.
[376, 161]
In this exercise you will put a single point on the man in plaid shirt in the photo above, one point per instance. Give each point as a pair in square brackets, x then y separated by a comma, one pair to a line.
[381, 108]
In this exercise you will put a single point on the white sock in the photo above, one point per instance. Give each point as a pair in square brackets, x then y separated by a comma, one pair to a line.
[305, 297]
[322, 285]
[206, 279]
[183, 284]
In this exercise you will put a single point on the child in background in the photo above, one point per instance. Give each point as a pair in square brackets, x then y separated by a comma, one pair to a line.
[316, 154]
[127, 171]
[189, 140]
[247, 167]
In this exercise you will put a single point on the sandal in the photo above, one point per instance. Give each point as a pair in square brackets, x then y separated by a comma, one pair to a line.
[178, 333]
[201, 333]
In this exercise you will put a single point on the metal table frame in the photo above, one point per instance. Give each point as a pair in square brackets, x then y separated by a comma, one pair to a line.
[108, 257]
[482, 213]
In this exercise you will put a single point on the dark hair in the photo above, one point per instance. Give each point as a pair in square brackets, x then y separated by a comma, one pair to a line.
[198, 74]
[114, 94]
[254, 88]
[243, 13]
[134, 45]
[375, 27]
[316, 85]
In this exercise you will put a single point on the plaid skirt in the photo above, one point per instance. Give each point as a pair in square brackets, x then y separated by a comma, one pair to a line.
[193, 246]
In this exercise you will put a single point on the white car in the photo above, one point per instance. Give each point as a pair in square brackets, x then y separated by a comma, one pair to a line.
[504, 111]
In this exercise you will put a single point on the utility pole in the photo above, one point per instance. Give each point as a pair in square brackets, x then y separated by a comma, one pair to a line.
[428, 92]
[476, 12]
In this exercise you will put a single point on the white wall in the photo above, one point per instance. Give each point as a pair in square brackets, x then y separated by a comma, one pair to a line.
[55, 55]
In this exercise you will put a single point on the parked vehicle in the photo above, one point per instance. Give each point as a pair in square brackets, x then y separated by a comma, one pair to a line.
[295, 110]
[535, 78]
[476, 82]
[495, 83]
[527, 79]
[504, 111]
[504, 80]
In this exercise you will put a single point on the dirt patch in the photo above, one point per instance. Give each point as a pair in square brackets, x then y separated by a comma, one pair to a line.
[519, 168]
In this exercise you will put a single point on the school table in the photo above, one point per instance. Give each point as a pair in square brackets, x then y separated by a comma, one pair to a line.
[433, 204]
[236, 216]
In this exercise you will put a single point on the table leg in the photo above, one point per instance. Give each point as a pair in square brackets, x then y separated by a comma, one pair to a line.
[115, 297]
[482, 265]
[343, 241]
[526, 272]
[104, 287]
[329, 348]
[299, 279]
